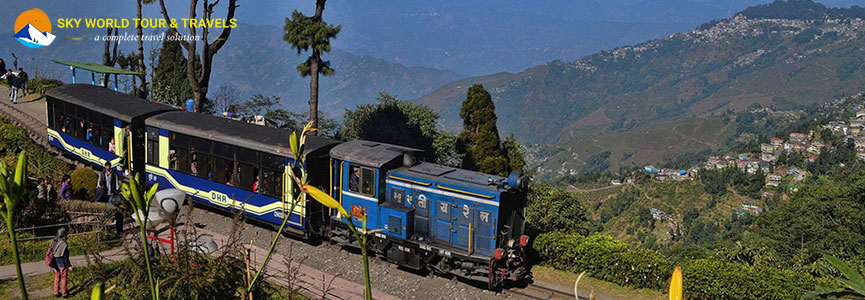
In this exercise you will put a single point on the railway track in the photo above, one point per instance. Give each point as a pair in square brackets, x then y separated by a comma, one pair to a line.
[35, 129]
[538, 292]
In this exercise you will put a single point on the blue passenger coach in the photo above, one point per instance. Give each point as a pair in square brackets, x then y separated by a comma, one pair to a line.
[449, 220]
[97, 125]
[232, 165]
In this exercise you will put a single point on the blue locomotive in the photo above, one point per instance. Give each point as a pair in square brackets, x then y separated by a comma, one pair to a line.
[433, 217]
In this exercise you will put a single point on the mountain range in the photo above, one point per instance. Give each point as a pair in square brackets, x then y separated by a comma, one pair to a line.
[764, 55]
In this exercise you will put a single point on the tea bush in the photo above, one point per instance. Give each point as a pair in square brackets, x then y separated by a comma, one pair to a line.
[84, 184]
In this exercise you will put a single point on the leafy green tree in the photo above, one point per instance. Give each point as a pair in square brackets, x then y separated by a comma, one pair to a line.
[556, 210]
[199, 79]
[311, 34]
[479, 141]
[275, 116]
[170, 84]
[401, 123]
[823, 217]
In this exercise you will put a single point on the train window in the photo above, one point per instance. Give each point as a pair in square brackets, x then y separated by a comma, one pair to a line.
[222, 170]
[179, 153]
[222, 163]
[199, 164]
[367, 182]
[272, 168]
[247, 156]
[361, 180]
[50, 105]
[244, 176]
[152, 145]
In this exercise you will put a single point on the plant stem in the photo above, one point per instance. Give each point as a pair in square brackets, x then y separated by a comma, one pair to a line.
[366, 269]
[14, 239]
[272, 246]
[361, 239]
[153, 293]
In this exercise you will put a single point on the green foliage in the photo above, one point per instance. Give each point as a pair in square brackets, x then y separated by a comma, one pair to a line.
[401, 123]
[170, 81]
[479, 140]
[714, 279]
[12, 185]
[555, 210]
[34, 250]
[716, 181]
[306, 33]
[84, 183]
[605, 258]
[823, 217]
[190, 276]
[853, 282]
[40, 85]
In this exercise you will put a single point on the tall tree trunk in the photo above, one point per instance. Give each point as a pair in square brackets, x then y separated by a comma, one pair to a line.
[142, 92]
[314, 69]
[313, 91]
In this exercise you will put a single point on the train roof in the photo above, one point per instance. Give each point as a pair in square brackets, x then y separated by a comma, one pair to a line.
[106, 101]
[454, 176]
[234, 132]
[373, 154]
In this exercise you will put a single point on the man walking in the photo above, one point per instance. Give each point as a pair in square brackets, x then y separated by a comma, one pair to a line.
[15, 84]
[24, 80]
[107, 183]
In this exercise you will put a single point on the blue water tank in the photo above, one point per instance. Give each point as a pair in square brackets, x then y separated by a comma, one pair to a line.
[190, 105]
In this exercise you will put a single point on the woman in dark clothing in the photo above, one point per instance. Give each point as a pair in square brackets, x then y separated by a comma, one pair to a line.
[60, 251]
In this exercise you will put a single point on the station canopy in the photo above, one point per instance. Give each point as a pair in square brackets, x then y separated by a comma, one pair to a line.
[96, 68]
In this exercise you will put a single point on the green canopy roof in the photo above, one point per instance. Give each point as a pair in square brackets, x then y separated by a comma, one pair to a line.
[97, 68]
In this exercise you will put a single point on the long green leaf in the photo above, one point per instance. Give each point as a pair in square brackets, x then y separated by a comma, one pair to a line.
[823, 291]
[857, 287]
[21, 170]
[846, 270]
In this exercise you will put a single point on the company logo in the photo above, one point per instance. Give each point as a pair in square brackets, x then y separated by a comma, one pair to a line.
[33, 29]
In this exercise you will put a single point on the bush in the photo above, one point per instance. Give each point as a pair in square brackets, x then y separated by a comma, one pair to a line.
[608, 259]
[712, 279]
[605, 258]
[40, 85]
[84, 183]
[550, 209]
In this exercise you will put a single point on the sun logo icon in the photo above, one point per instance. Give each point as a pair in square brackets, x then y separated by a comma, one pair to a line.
[33, 29]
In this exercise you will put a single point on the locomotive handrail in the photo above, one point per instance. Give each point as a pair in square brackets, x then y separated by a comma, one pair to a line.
[463, 192]
[409, 180]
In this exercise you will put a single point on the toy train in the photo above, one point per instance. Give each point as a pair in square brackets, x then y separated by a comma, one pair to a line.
[433, 217]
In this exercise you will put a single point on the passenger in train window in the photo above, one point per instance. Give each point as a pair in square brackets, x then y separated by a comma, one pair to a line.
[354, 179]
[62, 123]
[89, 134]
[235, 180]
[255, 184]
[172, 159]
[111, 146]
[193, 166]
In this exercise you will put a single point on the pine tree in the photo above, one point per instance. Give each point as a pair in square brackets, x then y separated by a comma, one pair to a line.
[479, 141]
[304, 33]
[170, 84]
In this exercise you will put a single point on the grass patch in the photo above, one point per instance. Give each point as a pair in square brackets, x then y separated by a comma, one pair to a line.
[605, 290]
[31, 251]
